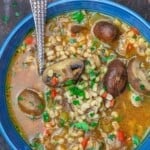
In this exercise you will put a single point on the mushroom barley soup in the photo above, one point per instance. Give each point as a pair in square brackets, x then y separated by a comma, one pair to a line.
[94, 93]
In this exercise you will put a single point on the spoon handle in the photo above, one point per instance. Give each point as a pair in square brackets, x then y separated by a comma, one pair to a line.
[39, 14]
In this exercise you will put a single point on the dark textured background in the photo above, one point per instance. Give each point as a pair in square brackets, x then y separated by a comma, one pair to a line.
[12, 11]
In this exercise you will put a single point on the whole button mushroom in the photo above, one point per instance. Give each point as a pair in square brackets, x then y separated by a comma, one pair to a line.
[31, 103]
[115, 79]
[138, 77]
[106, 31]
[58, 73]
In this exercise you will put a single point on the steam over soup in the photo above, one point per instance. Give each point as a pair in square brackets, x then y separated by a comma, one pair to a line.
[94, 93]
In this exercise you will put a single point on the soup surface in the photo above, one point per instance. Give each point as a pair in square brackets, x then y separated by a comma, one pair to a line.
[94, 93]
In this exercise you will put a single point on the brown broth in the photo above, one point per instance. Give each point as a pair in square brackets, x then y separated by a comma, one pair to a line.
[134, 120]
[19, 78]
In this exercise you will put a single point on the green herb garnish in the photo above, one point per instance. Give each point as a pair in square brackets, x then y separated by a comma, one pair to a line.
[87, 62]
[77, 16]
[20, 98]
[69, 82]
[40, 106]
[111, 136]
[81, 125]
[93, 124]
[45, 116]
[62, 122]
[92, 114]
[92, 82]
[47, 95]
[135, 140]
[142, 87]
[93, 48]
[76, 102]
[37, 146]
[92, 74]
[138, 98]
[74, 90]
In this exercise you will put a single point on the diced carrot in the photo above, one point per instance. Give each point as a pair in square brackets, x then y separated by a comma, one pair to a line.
[135, 30]
[29, 40]
[130, 47]
[104, 95]
[54, 81]
[84, 142]
[53, 93]
[121, 136]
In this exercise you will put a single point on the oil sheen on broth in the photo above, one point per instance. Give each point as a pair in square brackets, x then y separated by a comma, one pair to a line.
[94, 92]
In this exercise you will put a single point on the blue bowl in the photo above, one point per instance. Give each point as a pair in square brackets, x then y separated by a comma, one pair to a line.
[16, 36]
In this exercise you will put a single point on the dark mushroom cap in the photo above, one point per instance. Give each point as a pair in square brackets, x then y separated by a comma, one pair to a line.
[105, 31]
[68, 69]
[77, 29]
[30, 102]
[115, 79]
[137, 77]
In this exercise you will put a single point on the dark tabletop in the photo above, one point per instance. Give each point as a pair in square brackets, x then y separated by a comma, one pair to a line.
[12, 11]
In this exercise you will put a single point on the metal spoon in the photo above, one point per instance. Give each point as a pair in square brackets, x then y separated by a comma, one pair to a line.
[39, 14]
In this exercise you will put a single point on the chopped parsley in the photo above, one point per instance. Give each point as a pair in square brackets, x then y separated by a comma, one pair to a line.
[93, 74]
[74, 90]
[138, 98]
[61, 122]
[45, 116]
[81, 125]
[20, 98]
[135, 140]
[69, 82]
[92, 114]
[142, 87]
[37, 146]
[76, 102]
[77, 16]
[40, 106]
[47, 95]
[92, 82]
[111, 136]
[93, 124]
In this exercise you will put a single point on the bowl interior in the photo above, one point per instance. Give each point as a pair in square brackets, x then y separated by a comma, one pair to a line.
[16, 36]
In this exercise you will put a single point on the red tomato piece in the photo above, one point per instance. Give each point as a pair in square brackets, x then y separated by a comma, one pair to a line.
[84, 142]
[121, 136]
[53, 93]
[29, 40]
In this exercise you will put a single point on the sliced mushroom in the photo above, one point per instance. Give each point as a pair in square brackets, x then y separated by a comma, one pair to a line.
[77, 29]
[137, 76]
[30, 102]
[115, 79]
[106, 31]
[68, 69]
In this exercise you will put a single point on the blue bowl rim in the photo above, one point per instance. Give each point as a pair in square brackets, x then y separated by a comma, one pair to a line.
[55, 3]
